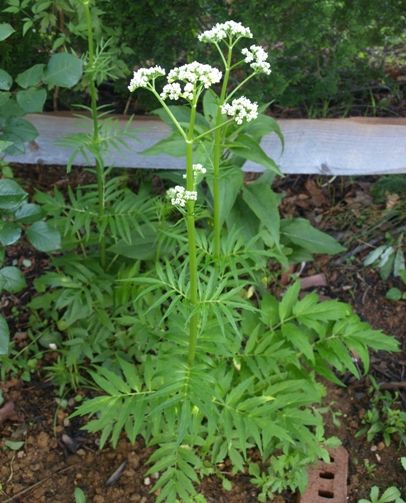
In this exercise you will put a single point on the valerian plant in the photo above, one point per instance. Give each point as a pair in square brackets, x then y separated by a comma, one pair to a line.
[217, 365]
[79, 293]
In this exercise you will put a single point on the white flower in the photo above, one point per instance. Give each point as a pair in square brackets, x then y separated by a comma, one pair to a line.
[257, 57]
[171, 91]
[143, 76]
[179, 196]
[198, 169]
[195, 73]
[191, 77]
[221, 31]
[242, 109]
[52, 346]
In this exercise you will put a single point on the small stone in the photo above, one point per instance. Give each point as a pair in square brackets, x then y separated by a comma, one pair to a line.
[381, 446]
[20, 454]
[66, 422]
[61, 414]
[133, 460]
[130, 473]
[374, 448]
[147, 481]
[74, 459]
[81, 452]
[43, 440]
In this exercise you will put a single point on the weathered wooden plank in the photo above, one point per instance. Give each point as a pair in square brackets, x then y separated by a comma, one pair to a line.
[355, 146]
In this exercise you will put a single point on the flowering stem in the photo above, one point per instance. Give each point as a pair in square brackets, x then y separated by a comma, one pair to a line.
[100, 175]
[168, 111]
[239, 86]
[206, 133]
[217, 157]
[191, 231]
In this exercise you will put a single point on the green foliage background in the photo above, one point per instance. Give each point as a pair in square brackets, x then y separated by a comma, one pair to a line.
[324, 53]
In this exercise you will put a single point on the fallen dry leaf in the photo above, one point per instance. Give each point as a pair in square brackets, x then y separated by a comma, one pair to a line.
[313, 281]
[316, 193]
[7, 412]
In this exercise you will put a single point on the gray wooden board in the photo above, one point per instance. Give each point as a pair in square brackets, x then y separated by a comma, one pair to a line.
[355, 146]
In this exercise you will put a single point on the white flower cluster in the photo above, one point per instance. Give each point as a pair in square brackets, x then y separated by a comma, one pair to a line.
[179, 196]
[192, 75]
[174, 91]
[221, 31]
[198, 169]
[242, 109]
[143, 76]
[195, 73]
[257, 57]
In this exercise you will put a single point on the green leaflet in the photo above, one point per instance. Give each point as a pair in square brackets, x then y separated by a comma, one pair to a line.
[4, 337]
[300, 232]
[264, 203]
[63, 70]
[43, 237]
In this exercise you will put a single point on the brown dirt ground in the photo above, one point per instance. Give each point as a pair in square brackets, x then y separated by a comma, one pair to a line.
[45, 470]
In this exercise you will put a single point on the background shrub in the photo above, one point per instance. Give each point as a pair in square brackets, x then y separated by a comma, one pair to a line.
[328, 56]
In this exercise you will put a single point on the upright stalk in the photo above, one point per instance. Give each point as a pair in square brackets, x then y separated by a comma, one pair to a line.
[217, 158]
[191, 231]
[99, 159]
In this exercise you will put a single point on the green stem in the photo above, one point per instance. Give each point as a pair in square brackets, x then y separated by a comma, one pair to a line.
[240, 85]
[217, 158]
[168, 111]
[206, 133]
[100, 175]
[191, 231]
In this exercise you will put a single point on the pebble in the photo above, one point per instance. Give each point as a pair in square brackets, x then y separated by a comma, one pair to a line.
[81, 452]
[381, 446]
[147, 481]
[43, 440]
[133, 460]
[130, 473]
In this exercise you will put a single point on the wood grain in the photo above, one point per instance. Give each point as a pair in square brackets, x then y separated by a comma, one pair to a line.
[355, 146]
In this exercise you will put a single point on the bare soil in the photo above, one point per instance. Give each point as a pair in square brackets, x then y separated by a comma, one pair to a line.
[57, 455]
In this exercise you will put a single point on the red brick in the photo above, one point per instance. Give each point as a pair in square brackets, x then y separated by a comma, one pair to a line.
[328, 481]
